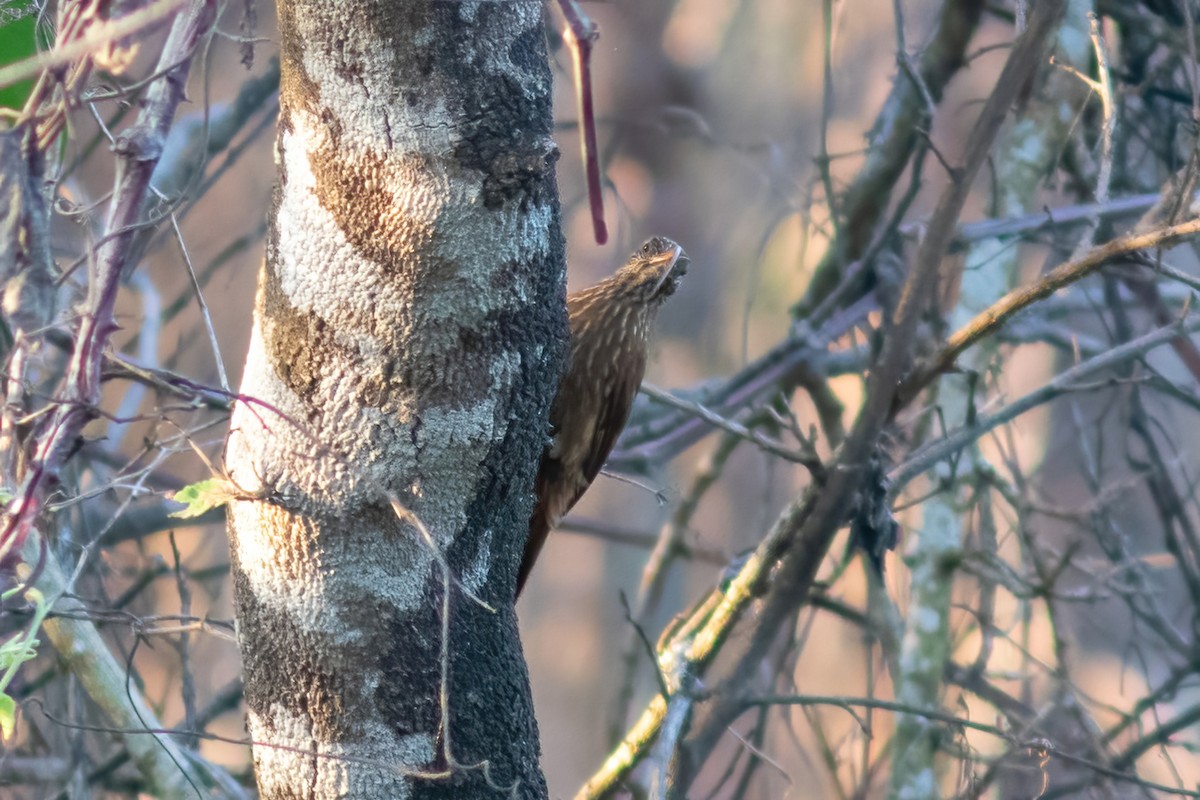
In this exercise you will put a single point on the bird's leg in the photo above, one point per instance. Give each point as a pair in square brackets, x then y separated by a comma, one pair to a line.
[580, 34]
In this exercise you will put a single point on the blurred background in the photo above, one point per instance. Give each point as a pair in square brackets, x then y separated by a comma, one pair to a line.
[712, 119]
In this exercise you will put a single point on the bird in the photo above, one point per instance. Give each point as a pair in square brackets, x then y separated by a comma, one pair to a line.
[610, 326]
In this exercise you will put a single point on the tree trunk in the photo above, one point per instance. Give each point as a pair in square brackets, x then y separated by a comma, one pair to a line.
[408, 334]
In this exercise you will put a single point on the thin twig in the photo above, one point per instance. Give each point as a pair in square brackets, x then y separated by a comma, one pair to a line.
[1063, 383]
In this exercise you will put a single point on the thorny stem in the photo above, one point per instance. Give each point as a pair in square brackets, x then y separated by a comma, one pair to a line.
[138, 150]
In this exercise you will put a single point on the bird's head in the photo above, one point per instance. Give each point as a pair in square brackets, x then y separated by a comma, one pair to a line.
[655, 270]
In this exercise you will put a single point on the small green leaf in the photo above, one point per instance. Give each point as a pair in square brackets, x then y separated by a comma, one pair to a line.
[202, 496]
[8, 718]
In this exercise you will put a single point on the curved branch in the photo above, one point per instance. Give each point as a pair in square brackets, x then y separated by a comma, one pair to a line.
[991, 319]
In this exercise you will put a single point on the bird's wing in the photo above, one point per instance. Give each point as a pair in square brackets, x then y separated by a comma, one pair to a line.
[608, 424]
[584, 437]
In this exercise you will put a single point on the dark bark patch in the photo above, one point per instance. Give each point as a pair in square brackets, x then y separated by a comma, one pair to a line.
[411, 655]
[509, 144]
[304, 350]
[461, 377]
[296, 88]
[297, 341]
[511, 174]
[290, 668]
[359, 193]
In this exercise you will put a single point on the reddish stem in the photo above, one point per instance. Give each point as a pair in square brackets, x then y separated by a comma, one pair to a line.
[580, 34]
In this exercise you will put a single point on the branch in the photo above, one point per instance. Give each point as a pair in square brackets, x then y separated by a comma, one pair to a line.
[1049, 219]
[990, 320]
[167, 769]
[98, 36]
[807, 536]
[138, 150]
[931, 453]
[658, 438]
[765, 443]
[894, 135]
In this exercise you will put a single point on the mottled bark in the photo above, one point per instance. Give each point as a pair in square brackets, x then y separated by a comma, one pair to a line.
[408, 333]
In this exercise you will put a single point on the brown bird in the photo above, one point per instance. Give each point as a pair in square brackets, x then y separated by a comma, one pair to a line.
[610, 336]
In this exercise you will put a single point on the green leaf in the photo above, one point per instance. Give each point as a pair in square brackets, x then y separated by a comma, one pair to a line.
[17, 44]
[202, 496]
[8, 718]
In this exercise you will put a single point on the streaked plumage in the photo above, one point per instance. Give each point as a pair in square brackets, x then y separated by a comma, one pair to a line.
[610, 327]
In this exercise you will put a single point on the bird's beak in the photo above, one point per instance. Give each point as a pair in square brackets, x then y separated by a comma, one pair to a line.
[672, 263]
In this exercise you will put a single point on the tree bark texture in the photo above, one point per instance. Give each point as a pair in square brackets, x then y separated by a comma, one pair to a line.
[408, 335]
